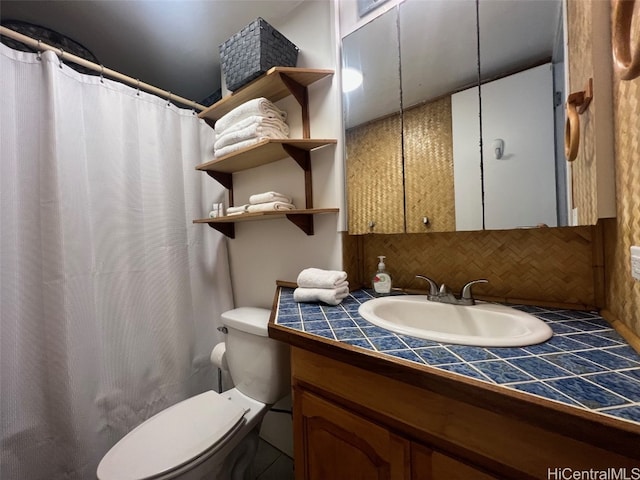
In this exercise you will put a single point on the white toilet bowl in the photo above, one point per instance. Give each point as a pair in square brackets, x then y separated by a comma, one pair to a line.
[212, 435]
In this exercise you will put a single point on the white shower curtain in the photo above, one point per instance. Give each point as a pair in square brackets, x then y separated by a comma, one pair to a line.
[110, 296]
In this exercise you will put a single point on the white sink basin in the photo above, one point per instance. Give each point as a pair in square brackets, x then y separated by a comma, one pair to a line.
[482, 325]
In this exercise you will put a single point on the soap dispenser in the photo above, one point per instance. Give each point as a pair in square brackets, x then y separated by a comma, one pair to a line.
[382, 280]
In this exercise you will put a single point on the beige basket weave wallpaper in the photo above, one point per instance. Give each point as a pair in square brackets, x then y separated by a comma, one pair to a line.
[623, 292]
[428, 167]
[374, 176]
[546, 266]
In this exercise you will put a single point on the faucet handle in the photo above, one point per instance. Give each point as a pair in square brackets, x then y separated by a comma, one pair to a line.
[433, 286]
[466, 290]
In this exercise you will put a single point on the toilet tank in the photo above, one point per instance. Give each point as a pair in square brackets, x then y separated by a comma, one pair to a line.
[259, 365]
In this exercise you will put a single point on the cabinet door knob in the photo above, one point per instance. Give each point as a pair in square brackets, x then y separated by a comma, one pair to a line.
[372, 224]
[425, 221]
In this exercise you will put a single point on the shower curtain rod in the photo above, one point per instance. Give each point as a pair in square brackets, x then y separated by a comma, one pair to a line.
[134, 82]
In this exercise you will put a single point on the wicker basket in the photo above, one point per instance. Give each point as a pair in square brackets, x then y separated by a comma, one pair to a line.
[254, 50]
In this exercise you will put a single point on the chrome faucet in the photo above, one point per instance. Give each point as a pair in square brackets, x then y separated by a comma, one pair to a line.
[444, 294]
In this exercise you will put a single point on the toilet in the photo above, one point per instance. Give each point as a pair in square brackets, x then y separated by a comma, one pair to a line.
[212, 435]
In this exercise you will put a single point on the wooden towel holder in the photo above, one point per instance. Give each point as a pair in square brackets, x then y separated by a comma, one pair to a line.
[577, 103]
[626, 50]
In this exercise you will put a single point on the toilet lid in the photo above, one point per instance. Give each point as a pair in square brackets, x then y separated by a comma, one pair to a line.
[171, 438]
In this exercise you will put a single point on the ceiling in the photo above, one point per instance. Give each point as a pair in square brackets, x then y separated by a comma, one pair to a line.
[171, 44]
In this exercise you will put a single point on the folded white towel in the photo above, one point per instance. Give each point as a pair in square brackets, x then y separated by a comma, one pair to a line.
[235, 147]
[267, 197]
[238, 209]
[266, 207]
[331, 296]
[318, 278]
[256, 106]
[261, 120]
[251, 131]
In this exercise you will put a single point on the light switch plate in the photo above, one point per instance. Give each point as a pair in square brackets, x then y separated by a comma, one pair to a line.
[635, 262]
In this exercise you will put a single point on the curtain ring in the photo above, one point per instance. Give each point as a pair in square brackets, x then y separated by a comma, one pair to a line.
[101, 73]
[169, 100]
[60, 58]
[626, 57]
[138, 87]
[39, 52]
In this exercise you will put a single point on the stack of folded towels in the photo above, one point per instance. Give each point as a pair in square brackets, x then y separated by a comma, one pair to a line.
[248, 124]
[316, 285]
[264, 202]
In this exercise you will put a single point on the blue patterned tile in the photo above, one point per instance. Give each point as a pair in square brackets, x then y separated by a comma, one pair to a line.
[625, 351]
[573, 363]
[471, 354]
[348, 333]
[324, 333]
[579, 314]
[296, 325]
[632, 373]
[541, 348]
[407, 355]
[553, 316]
[316, 325]
[362, 295]
[561, 327]
[544, 391]
[464, 369]
[311, 317]
[592, 340]
[415, 342]
[606, 359]
[588, 394]
[539, 368]
[508, 352]
[374, 331]
[617, 383]
[611, 335]
[350, 307]
[437, 356]
[566, 344]
[359, 342]
[335, 316]
[628, 413]
[342, 323]
[583, 325]
[286, 319]
[502, 372]
[387, 343]
[308, 308]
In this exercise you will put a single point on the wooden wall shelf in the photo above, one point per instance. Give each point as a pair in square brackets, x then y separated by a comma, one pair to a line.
[267, 151]
[303, 219]
[276, 84]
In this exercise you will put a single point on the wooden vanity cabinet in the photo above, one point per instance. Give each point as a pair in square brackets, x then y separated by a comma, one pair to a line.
[373, 420]
[338, 444]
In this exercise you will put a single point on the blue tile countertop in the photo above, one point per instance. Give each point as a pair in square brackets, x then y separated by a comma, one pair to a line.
[586, 364]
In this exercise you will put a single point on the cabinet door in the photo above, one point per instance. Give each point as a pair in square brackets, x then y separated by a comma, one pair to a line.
[375, 194]
[333, 443]
[428, 167]
[427, 464]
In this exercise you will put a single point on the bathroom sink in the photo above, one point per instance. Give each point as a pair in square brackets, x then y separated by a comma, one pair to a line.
[482, 325]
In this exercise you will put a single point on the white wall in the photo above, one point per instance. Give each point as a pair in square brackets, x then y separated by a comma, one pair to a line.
[266, 251]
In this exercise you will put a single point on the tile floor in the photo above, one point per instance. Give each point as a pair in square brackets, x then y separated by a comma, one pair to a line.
[271, 464]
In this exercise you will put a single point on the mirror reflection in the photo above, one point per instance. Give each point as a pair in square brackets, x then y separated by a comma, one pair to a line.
[443, 180]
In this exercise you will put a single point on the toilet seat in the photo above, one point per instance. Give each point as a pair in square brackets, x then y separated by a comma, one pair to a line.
[173, 437]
